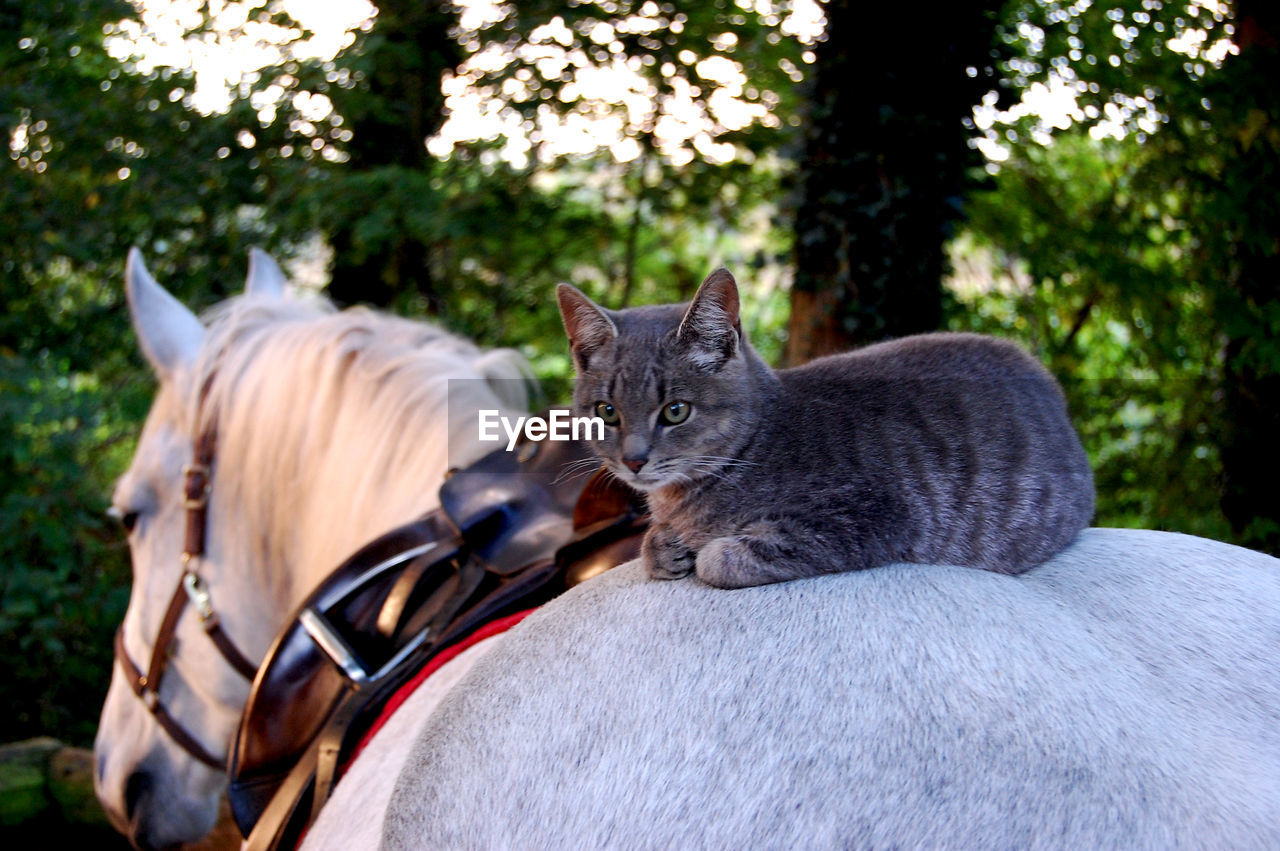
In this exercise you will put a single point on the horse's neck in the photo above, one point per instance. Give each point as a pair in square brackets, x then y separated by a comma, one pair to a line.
[351, 499]
[335, 433]
[346, 508]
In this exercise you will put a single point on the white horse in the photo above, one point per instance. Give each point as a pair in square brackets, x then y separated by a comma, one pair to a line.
[1125, 694]
[327, 430]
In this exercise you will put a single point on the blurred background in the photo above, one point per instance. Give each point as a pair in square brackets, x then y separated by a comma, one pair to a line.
[1099, 180]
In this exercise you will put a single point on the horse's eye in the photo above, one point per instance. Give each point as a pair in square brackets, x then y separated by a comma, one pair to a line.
[127, 519]
[674, 413]
[608, 413]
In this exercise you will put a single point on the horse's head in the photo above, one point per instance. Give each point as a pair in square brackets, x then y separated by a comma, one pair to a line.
[169, 715]
[283, 436]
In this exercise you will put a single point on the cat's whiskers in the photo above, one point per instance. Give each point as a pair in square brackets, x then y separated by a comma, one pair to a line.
[710, 466]
[724, 459]
[680, 470]
[706, 474]
[613, 474]
[581, 467]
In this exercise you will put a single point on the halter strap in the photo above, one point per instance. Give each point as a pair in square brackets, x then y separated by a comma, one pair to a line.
[197, 479]
[147, 687]
[198, 596]
[197, 483]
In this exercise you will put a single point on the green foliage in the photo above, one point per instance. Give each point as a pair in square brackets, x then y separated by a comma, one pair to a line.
[65, 577]
[1150, 261]
[651, 211]
[101, 159]
[1120, 55]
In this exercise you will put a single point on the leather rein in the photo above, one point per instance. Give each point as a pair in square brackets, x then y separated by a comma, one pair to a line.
[191, 591]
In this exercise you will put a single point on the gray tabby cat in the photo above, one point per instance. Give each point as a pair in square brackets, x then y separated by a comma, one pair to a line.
[939, 448]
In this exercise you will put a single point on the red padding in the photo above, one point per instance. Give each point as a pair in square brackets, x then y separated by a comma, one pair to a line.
[490, 629]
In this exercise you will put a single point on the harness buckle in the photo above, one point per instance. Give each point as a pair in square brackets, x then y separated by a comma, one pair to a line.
[198, 594]
[334, 646]
[197, 486]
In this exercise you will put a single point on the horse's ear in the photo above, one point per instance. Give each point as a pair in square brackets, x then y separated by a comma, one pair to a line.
[169, 334]
[587, 325]
[711, 330]
[265, 277]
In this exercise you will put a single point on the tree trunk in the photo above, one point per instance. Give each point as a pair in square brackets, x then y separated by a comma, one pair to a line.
[391, 114]
[885, 164]
[1251, 398]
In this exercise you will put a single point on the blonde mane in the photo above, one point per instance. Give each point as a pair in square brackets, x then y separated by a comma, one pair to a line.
[335, 427]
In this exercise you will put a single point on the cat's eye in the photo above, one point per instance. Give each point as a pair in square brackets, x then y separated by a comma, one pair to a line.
[674, 413]
[608, 413]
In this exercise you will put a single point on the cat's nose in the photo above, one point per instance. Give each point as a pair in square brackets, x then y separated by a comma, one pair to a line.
[634, 464]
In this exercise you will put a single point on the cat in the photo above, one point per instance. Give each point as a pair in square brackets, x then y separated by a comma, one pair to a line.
[943, 448]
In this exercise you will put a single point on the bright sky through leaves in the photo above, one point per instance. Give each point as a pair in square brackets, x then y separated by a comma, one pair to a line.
[1054, 104]
[611, 100]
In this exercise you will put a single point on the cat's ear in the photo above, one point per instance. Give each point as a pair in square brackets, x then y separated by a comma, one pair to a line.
[711, 330]
[587, 325]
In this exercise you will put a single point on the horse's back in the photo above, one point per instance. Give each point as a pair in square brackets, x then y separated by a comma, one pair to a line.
[1125, 693]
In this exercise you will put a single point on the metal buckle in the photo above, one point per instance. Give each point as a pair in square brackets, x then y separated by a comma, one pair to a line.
[198, 594]
[331, 642]
[189, 471]
[337, 649]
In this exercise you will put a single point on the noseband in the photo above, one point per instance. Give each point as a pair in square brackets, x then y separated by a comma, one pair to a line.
[191, 590]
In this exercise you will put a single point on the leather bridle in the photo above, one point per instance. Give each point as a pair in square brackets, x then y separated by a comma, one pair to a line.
[191, 590]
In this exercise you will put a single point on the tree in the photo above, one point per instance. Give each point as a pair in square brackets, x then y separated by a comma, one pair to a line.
[394, 107]
[884, 169]
[1238, 212]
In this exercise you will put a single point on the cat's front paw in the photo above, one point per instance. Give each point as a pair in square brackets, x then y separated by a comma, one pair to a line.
[665, 555]
[730, 563]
